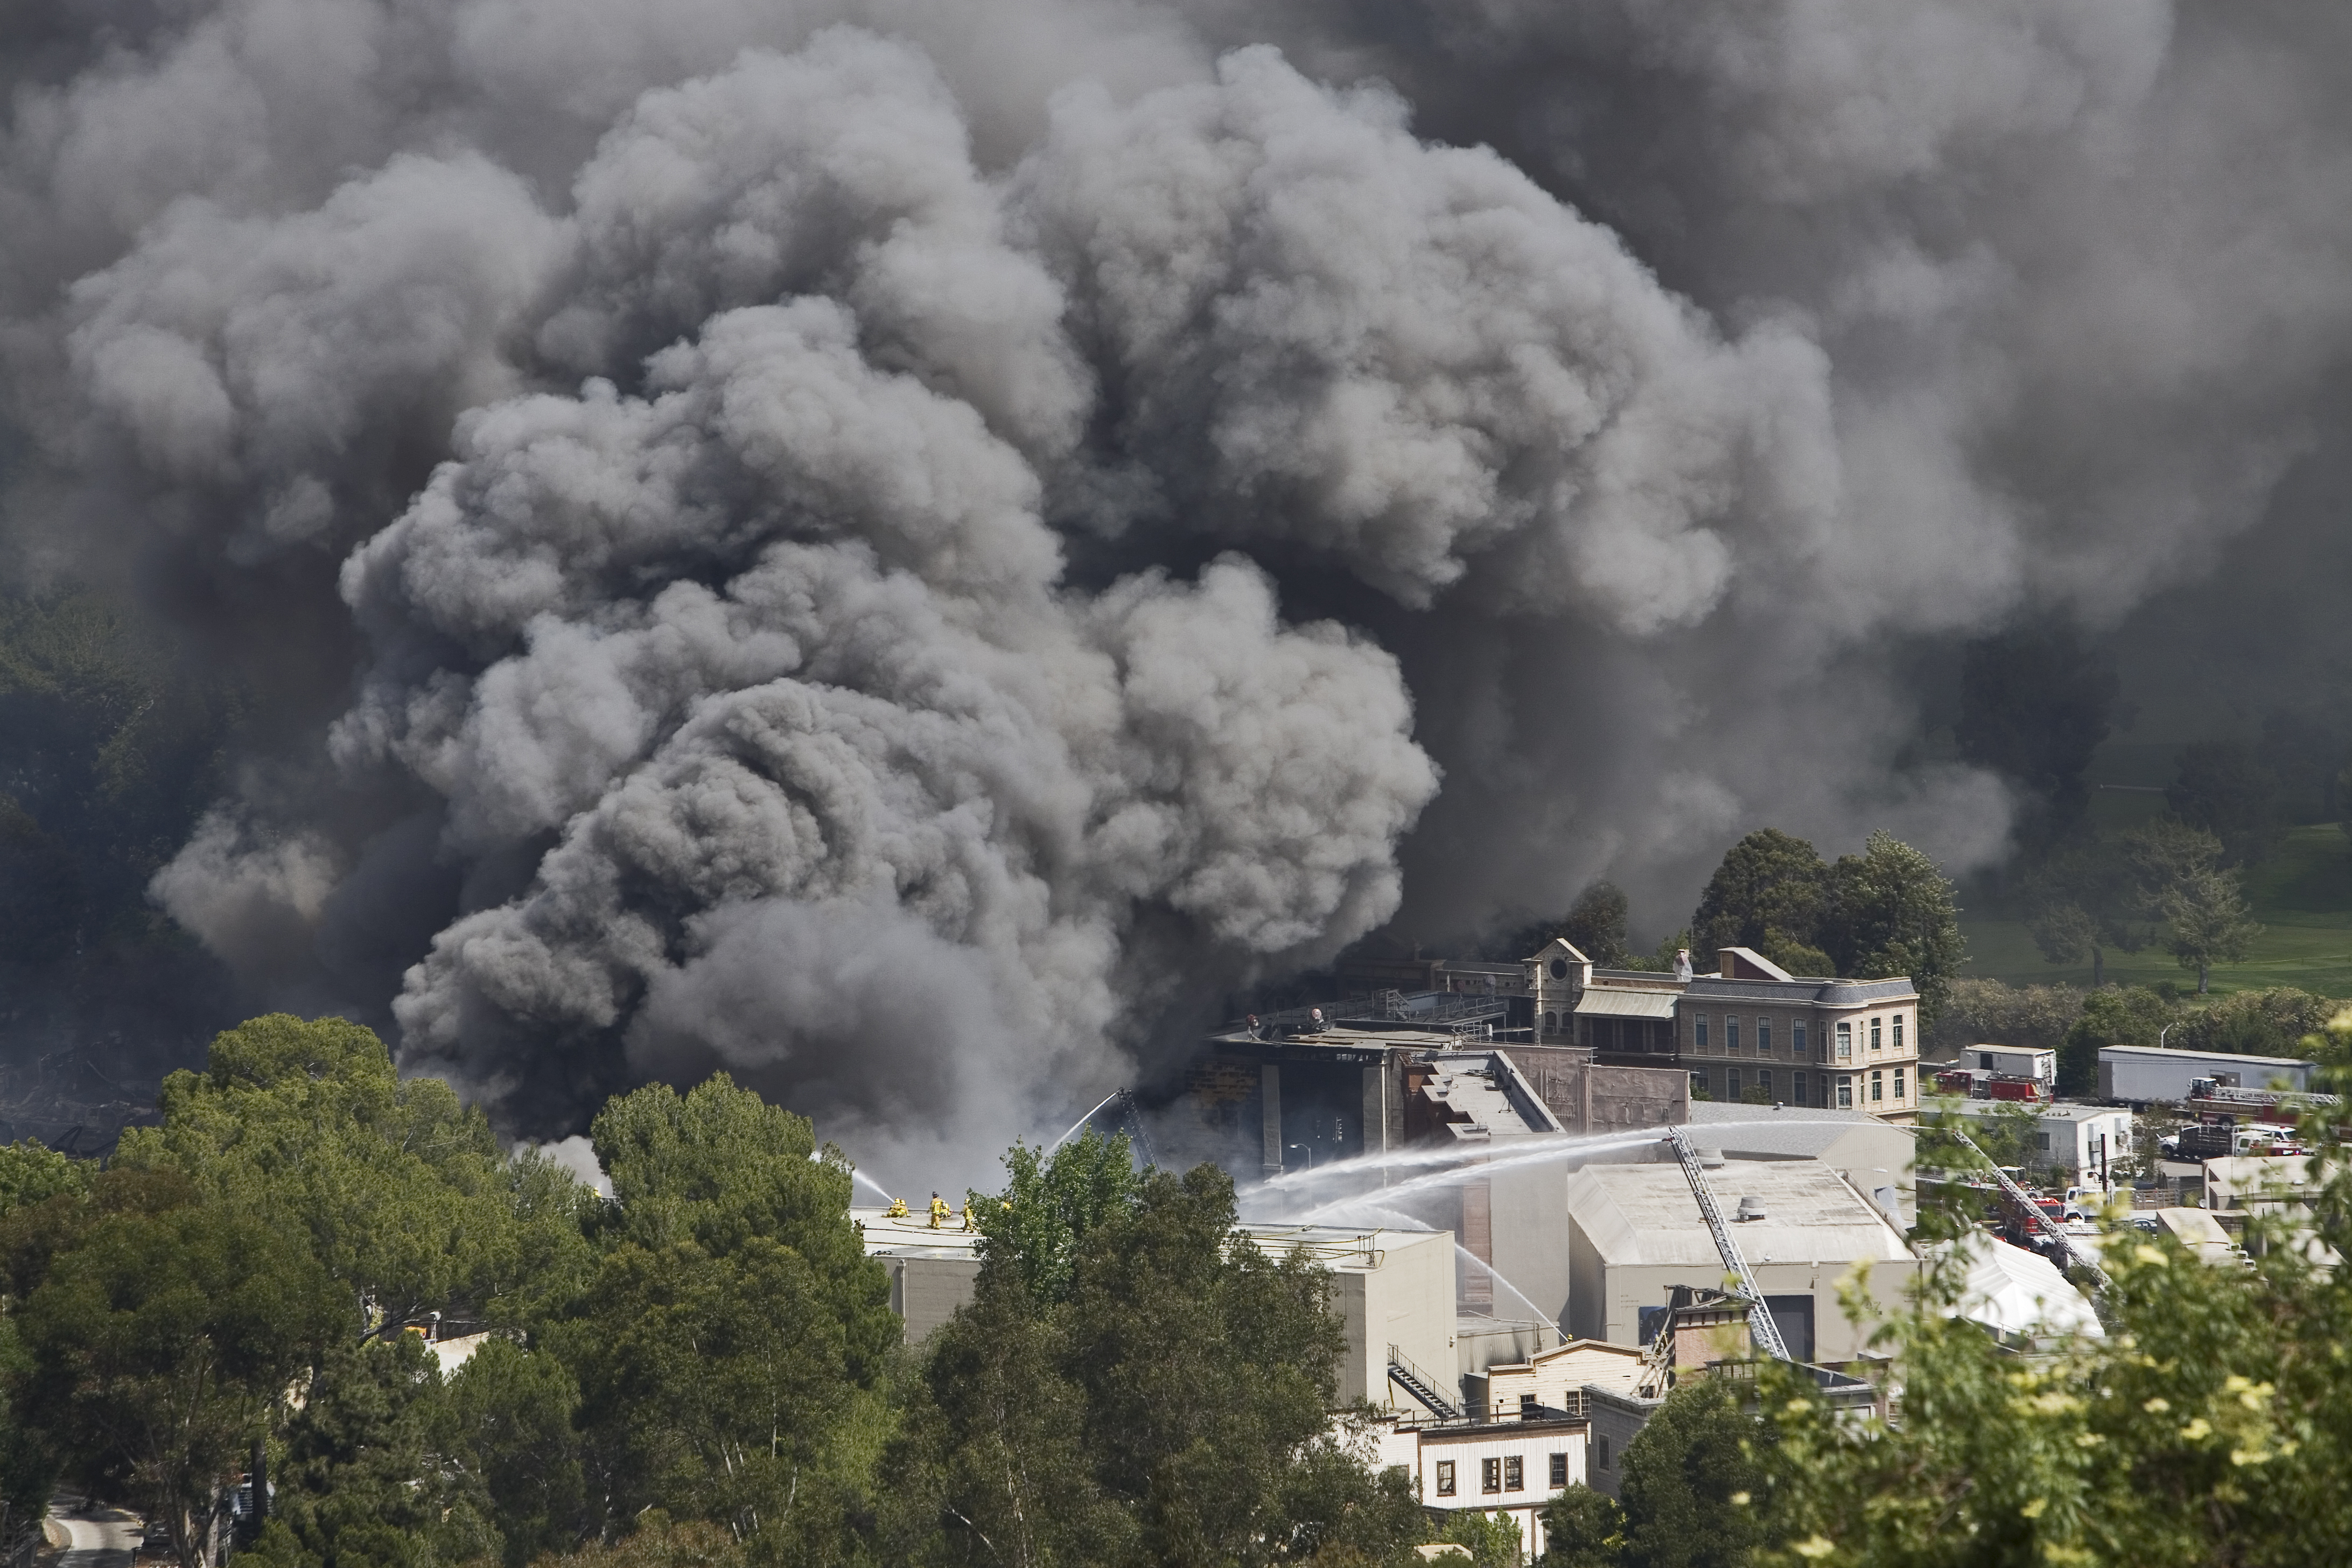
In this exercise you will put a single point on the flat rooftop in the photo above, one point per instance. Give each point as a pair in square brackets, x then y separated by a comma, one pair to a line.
[1338, 1247]
[1645, 1215]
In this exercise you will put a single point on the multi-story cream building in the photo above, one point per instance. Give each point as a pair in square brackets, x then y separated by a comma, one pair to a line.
[1749, 1030]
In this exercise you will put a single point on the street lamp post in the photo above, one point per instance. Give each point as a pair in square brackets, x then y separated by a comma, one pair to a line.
[1305, 1150]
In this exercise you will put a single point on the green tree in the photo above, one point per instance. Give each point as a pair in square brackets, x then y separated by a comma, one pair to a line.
[508, 1414]
[2271, 1022]
[728, 1345]
[2034, 705]
[401, 1191]
[2209, 923]
[1892, 912]
[1582, 1528]
[2210, 1425]
[162, 1341]
[1170, 1403]
[1689, 1478]
[1771, 891]
[2163, 854]
[719, 1165]
[1207, 1366]
[32, 1173]
[1051, 1203]
[2225, 789]
[2084, 901]
[992, 1463]
[1990, 1012]
[1594, 925]
[368, 1480]
[2134, 1015]
[1493, 1538]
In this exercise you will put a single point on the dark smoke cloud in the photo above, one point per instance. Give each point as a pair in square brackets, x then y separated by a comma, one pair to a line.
[890, 546]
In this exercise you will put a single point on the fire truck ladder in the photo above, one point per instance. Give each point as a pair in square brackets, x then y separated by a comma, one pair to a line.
[1420, 1385]
[2034, 1215]
[1761, 1326]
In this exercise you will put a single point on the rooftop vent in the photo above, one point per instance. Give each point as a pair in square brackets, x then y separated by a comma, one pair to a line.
[1751, 1208]
[1712, 1159]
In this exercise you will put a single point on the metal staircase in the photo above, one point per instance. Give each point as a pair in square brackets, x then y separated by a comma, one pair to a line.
[1420, 1386]
[1761, 1326]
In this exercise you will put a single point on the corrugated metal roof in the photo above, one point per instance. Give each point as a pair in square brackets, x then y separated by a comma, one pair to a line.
[1597, 1002]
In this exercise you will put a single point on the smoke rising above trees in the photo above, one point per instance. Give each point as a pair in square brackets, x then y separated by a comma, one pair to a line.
[898, 551]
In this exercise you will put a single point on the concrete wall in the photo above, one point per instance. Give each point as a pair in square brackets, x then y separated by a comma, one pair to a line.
[1592, 1099]
[1404, 1299]
[1624, 1290]
[926, 1292]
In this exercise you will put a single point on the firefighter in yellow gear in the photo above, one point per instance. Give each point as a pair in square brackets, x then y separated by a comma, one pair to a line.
[967, 1214]
[898, 1209]
[938, 1211]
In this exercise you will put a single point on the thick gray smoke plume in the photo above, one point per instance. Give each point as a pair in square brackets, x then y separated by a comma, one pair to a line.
[894, 547]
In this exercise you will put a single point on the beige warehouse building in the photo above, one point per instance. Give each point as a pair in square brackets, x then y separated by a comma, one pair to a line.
[1390, 1288]
[1634, 1232]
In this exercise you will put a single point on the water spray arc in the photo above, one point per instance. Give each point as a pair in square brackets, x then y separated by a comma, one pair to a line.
[1130, 1116]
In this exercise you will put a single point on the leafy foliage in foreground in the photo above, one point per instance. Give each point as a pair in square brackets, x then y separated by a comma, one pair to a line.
[704, 1369]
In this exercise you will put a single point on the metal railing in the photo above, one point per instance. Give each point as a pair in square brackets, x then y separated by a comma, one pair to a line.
[1420, 1386]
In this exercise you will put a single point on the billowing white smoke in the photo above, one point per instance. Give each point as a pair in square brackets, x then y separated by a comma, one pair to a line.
[816, 505]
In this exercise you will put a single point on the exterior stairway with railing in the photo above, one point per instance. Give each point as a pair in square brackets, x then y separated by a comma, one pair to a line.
[1420, 1386]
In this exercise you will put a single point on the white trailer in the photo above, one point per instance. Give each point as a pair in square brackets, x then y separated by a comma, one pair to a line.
[2042, 1066]
[2145, 1074]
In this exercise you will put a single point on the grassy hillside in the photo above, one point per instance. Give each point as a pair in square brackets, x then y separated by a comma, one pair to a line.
[2302, 896]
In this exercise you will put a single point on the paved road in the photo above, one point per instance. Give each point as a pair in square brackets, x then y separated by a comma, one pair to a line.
[99, 1537]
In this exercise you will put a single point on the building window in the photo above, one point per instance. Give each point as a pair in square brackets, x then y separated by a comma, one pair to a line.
[1551, 1023]
[1874, 1035]
[1515, 1474]
[1764, 1081]
[1445, 1478]
[1731, 1083]
[1898, 1084]
[1797, 1046]
[1763, 1036]
[1877, 1086]
[1730, 1034]
[1845, 1094]
[1845, 1042]
[1799, 1091]
[1698, 1086]
[1490, 1474]
[1898, 1031]
[1698, 1021]
[2041, 1141]
[1601, 1453]
[1559, 1471]
[1526, 1406]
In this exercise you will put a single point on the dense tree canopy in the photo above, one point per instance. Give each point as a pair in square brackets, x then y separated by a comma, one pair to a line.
[1885, 912]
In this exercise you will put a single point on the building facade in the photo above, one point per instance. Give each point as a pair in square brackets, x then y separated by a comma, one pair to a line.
[1748, 1031]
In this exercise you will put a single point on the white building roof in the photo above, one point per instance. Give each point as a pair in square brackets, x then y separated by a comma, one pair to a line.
[2015, 1291]
[1338, 1247]
[1638, 1216]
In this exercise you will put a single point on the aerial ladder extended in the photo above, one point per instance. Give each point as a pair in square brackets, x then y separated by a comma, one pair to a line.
[1131, 1115]
[2036, 1216]
[1761, 1326]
